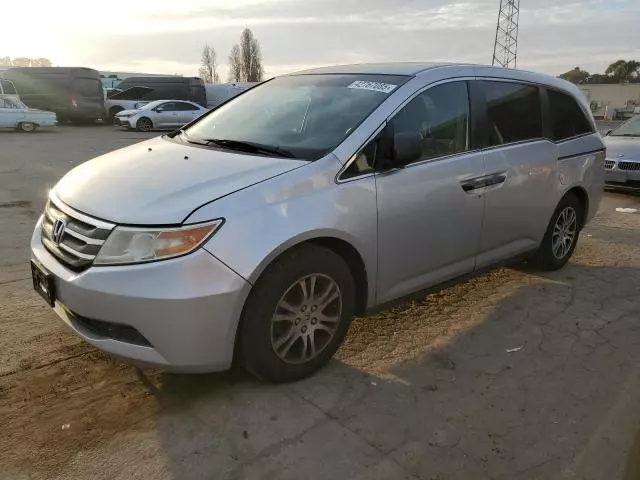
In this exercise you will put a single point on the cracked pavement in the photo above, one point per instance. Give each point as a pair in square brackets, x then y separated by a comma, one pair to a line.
[508, 374]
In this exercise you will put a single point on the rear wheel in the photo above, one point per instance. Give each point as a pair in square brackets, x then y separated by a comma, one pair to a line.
[144, 125]
[297, 314]
[27, 127]
[562, 234]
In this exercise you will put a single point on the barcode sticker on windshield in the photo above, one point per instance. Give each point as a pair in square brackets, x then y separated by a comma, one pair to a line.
[375, 86]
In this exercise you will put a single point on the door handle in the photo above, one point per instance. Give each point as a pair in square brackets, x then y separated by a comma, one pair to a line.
[483, 181]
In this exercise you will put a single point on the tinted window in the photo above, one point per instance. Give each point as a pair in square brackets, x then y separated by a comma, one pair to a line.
[567, 118]
[167, 91]
[186, 106]
[441, 116]
[87, 87]
[514, 112]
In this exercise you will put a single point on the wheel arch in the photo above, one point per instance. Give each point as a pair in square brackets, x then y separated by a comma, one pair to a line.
[341, 247]
[581, 194]
[145, 118]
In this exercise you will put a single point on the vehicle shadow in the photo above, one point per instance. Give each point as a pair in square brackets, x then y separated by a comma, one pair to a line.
[510, 374]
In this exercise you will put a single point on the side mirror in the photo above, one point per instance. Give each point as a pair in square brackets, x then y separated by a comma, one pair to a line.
[609, 132]
[158, 109]
[407, 148]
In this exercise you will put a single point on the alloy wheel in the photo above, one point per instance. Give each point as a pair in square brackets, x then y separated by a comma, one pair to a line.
[564, 233]
[306, 318]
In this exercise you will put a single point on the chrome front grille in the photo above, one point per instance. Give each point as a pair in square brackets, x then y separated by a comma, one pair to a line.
[608, 164]
[629, 165]
[79, 237]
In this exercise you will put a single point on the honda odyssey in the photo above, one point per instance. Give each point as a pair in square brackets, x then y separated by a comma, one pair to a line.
[259, 230]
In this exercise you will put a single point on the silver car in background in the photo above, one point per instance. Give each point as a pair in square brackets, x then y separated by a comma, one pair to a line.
[259, 230]
[623, 156]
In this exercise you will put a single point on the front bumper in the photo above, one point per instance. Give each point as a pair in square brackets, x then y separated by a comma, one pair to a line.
[623, 175]
[123, 122]
[186, 308]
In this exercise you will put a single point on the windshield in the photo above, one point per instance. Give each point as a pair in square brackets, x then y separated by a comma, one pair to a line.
[304, 115]
[628, 129]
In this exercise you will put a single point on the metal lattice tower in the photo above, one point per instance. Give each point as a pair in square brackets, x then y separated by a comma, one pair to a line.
[505, 49]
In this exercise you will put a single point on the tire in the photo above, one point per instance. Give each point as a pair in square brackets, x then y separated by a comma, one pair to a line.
[27, 127]
[551, 255]
[144, 125]
[273, 350]
[112, 113]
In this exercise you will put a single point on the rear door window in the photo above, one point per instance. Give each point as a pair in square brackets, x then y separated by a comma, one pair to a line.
[513, 111]
[567, 118]
[183, 106]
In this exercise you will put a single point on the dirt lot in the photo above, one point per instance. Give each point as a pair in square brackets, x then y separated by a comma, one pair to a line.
[508, 374]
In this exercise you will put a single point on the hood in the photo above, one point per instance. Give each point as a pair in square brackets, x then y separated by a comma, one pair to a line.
[128, 112]
[160, 182]
[622, 148]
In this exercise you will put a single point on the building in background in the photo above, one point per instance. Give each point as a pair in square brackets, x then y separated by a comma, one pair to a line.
[613, 101]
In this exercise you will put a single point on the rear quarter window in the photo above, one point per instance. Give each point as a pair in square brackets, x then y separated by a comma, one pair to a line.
[7, 87]
[567, 118]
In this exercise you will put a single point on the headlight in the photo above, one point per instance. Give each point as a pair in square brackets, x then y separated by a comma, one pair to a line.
[124, 115]
[139, 245]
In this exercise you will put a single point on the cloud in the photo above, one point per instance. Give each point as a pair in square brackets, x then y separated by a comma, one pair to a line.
[294, 34]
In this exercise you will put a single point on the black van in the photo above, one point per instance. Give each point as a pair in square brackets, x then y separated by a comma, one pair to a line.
[74, 94]
[168, 88]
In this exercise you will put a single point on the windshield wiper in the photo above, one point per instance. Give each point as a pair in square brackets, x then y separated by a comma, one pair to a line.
[249, 147]
[626, 135]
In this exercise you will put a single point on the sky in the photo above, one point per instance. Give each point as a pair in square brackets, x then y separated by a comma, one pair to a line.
[167, 36]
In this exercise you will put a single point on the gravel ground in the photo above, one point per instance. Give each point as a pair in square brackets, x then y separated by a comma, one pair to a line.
[510, 374]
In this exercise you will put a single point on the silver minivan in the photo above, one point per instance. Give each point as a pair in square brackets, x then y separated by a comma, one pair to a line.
[259, 230]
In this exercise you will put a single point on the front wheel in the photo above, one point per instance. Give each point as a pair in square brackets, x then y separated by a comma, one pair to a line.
[297, 314]
[562, 234]
[27, 127]
[144, 125]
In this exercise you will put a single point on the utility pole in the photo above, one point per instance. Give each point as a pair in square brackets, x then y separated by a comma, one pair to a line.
[505, 48]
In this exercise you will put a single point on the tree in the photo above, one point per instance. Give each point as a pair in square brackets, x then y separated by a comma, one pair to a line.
[245, 59]
[235, 64]
[40, 62]
[623, 70]
[577, 75]
[252, 69]
[24, 62]
[209, 69]
[21, 62]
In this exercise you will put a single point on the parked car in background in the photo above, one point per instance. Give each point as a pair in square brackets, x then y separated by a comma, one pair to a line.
[173, 87]
[259, 230]
[622, 166]
[8, 89]
[128, 99]
[159, 115]
[15, 114]
[74, 94]
[219, 93]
